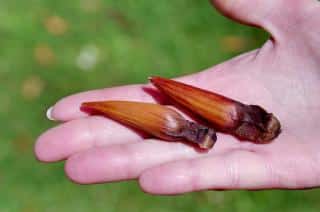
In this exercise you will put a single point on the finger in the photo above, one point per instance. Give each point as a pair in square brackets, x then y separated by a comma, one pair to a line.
[277, 17]
[129, 160]
[123, 162]
[237, 170]
[68, 108]
[78, 135]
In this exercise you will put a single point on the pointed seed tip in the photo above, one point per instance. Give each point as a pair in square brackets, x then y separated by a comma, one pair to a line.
[88, 105]
[153, 78]
[85, 104]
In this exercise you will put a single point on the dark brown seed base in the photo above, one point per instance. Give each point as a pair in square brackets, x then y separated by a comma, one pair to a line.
[203, 136]
[256, 124]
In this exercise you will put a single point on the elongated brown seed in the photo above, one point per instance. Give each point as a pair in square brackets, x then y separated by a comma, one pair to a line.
[157, 120]
[249, 122]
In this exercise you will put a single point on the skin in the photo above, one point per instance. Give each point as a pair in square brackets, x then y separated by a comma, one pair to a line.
[283, 76]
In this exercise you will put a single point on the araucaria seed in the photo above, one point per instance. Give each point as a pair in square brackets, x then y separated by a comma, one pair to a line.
[250, 122]
[157, 120]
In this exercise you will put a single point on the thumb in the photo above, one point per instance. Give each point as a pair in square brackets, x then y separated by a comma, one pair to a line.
[278, 17]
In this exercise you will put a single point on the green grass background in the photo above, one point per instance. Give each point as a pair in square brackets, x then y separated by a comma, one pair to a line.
[132, 40]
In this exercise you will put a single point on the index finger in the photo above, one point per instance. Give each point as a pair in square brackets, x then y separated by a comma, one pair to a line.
[68, 108]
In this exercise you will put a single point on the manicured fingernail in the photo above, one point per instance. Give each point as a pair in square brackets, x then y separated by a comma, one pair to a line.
[49, 114]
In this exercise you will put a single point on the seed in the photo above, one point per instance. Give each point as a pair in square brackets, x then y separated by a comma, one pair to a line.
[249, 122]
[157, 120]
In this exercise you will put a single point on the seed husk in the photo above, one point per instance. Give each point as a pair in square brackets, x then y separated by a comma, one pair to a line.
[248, 122]
[157, 120]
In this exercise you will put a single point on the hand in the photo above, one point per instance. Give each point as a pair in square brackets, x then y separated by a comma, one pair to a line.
[283, 76]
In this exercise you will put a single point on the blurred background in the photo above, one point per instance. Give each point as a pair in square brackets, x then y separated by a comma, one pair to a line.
[50, 49]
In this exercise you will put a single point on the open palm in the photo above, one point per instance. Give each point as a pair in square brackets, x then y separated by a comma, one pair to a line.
[283, 76]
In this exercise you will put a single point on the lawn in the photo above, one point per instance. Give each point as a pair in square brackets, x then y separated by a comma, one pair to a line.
[50, 49]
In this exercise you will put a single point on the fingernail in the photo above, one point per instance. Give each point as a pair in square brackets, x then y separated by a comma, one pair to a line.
[49, 114]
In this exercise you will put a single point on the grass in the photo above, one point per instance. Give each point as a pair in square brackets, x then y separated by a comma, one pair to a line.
[50, 49]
